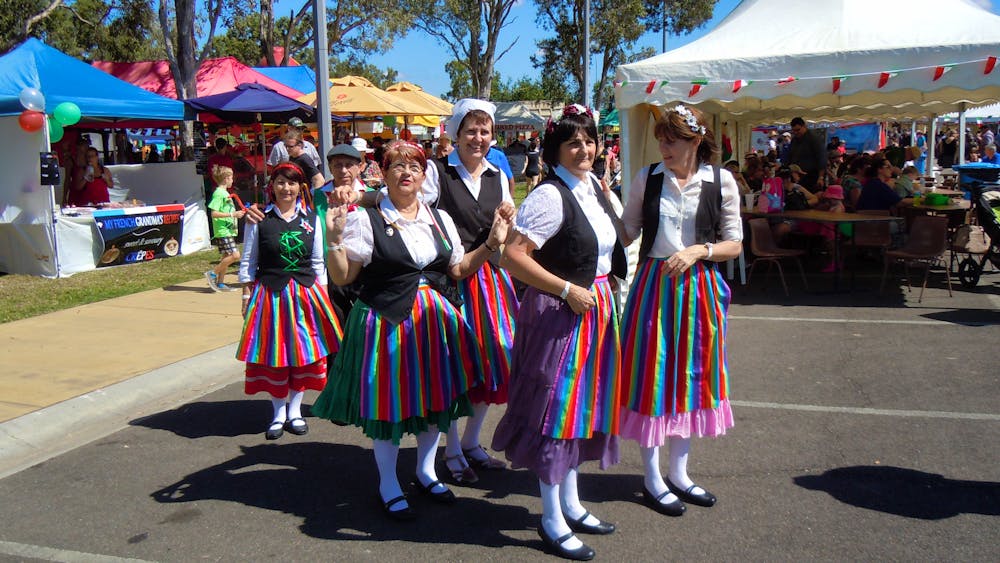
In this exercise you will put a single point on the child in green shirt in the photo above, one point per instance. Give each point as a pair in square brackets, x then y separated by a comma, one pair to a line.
[224, 217]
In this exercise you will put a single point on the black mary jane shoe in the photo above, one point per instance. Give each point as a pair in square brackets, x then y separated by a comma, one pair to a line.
[275, 430]
[599, 529]
[705, 499]
[675, 508]
[401, 515]
[444, 497]
[298, 430]
[555, 547]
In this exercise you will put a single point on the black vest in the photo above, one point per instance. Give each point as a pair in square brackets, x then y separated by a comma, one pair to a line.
[389, 283]
[473, 218]
[285, 250]
[706, 218]
[571, 253]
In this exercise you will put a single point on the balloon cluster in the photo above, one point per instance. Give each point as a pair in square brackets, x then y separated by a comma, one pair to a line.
[32, 118]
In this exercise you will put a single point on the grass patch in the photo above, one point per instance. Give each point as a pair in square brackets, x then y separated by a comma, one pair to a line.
[24, 296]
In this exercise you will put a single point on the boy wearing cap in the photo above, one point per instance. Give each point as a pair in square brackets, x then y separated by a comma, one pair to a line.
[279, 152]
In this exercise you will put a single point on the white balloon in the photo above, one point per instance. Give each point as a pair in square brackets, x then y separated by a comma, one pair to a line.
[32, 98]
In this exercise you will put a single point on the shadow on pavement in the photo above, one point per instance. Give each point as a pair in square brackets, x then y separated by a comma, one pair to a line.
[906, 492]
[215, 418]
[967, 317]
[334, 488]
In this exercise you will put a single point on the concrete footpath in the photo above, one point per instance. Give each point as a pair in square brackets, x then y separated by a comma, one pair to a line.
[110, 361]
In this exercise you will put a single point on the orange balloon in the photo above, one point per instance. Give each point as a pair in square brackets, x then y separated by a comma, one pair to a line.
[31, 120]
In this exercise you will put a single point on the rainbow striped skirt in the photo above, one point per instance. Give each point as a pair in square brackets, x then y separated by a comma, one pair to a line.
[490, 307]
[675, 381]
[292, 327]
[564, 386]
[392, 380]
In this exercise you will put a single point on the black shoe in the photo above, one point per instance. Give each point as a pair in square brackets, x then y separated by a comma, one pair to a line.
[600, 529]
[675, 508]
[554, 546]
[300, 430]
[702, 499]
[402, 515]
[444, 497]
[274, 431]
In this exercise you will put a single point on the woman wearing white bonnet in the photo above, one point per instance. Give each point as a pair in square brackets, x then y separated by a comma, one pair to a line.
[471, 190]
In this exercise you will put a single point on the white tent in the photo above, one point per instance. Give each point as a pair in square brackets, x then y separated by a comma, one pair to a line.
[517, 116]
[771, 60]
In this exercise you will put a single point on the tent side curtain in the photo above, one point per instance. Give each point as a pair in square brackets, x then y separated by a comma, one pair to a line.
[62, 78]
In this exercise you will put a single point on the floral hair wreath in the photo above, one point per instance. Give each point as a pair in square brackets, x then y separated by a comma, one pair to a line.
[572, 109]
[690, 119]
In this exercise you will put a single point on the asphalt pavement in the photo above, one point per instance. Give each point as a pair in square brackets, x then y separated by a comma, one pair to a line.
[866, 429]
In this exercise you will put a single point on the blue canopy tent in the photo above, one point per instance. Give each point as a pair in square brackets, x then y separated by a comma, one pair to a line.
[61, 78]
[35, 237]
[301, 78]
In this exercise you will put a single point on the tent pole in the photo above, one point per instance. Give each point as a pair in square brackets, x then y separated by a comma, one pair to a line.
[961, 133]
[931, 147]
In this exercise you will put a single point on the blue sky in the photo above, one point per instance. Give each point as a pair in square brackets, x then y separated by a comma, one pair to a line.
[420, 59]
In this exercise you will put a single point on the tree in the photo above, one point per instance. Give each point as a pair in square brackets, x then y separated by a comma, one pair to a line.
[525, 88]
[470, 29]
[180, 39]
[355, 66]
[86, 29]
[616, 26]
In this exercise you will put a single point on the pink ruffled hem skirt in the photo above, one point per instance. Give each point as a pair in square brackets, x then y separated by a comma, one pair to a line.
[650, 431]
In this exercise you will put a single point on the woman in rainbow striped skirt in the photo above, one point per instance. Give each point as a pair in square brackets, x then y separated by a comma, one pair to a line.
[564, 403]
[675, 378]
[408, 358]
[289, 327]
[469, 188]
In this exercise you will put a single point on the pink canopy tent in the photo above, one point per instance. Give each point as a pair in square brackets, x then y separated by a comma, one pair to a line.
[214, 77]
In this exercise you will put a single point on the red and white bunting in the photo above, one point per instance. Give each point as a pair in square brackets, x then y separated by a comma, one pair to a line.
[695, 88]
[739, 85]
[650, 86]
[941, 71]
[837, 80]
[990, 63]
[786, 80]
[883, 78]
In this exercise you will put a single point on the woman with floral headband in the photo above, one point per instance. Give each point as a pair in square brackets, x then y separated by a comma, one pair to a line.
[674, 373]
[563, 407]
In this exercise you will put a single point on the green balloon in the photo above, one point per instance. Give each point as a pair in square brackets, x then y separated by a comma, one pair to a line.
[55, 131]
[67, 113]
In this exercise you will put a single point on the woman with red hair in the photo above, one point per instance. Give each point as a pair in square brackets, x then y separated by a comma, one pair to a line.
[289, 327]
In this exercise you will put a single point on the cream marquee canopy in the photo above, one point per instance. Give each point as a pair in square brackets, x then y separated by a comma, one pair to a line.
[835, 60]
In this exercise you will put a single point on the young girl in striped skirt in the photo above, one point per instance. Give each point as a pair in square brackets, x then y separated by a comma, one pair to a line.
[289, 327]
[409, 358]
[675, 381]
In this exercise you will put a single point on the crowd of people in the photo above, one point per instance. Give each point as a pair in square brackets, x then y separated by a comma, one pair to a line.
[418, 300]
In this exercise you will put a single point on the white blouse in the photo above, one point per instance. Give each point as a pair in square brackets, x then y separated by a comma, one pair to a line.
[418, 234]
[678, 208]
[431, 187]
[541, 215]
[251, 252]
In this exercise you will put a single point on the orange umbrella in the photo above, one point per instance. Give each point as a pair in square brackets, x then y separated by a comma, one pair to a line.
[412, 92]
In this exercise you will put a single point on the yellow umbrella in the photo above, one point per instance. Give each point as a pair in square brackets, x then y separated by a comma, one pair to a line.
[354, 95]
[411, 92]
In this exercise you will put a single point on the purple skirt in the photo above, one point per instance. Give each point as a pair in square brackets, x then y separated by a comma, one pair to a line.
[548, 336]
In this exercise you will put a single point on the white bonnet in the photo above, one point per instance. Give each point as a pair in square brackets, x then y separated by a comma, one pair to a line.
[463, 107]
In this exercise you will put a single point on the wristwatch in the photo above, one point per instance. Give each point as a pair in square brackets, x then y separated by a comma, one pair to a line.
[708, 246]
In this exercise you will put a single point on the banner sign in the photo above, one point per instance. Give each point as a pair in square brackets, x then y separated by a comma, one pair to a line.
[139, 234]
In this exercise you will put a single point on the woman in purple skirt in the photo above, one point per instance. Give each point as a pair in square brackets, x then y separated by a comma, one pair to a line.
[564, 390]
